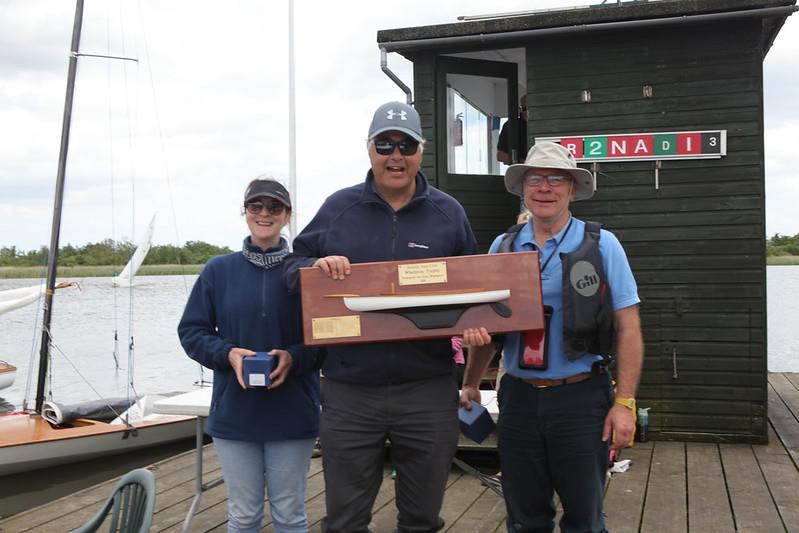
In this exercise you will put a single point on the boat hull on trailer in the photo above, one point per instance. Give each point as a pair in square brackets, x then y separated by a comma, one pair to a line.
[29, 442]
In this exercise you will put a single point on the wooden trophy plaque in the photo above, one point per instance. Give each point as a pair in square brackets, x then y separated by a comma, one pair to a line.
[425, 298]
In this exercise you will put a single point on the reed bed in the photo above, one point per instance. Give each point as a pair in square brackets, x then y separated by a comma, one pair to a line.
[87, 271]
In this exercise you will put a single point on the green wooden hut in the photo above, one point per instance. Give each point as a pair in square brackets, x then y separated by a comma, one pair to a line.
[693, 224]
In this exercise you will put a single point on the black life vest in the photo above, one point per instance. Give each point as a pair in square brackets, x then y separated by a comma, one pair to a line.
[587, 302]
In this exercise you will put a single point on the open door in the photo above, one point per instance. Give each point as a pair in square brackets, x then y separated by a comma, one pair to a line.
[474, 99]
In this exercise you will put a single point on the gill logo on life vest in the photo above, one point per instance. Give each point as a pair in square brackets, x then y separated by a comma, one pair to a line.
[584, 278]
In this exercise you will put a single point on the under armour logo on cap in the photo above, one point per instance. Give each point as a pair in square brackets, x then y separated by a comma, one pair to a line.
[390, 114]
[396, 116]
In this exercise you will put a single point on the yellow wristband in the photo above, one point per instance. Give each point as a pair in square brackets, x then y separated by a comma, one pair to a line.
[629, 403]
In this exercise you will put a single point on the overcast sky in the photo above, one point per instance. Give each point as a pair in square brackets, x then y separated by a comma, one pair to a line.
[205, 110]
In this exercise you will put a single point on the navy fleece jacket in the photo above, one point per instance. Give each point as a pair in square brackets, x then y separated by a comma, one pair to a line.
[357, 223]
[237, 304]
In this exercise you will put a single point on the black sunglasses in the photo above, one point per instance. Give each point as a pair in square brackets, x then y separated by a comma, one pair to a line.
[274, 207]
[407, 146]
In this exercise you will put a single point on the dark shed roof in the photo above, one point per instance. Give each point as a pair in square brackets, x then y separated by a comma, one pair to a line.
[456, 35]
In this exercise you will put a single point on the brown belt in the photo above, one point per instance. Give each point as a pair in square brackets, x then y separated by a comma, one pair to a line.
[541, 383]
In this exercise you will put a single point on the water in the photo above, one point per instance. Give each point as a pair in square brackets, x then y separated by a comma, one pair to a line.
[83, 326]
[783, 315]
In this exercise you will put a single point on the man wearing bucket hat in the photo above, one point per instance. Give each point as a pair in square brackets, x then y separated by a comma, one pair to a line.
[558, 413]
[401, 391]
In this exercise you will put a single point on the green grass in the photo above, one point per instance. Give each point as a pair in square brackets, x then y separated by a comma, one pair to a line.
[783, 260]
[96, 271]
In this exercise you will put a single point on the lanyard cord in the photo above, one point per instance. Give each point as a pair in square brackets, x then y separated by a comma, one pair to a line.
[557, 245]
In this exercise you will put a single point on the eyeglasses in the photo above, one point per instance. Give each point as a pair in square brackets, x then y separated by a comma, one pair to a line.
[554, 181]
[274, 207]
[407, 146]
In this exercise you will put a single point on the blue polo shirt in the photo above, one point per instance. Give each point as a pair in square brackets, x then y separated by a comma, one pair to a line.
[620, 278]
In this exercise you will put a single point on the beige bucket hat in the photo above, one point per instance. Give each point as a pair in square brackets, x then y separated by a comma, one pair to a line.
[553, 156]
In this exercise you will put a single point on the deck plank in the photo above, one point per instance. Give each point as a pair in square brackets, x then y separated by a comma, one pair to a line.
[626, 492]
[793, 377]
[752, 505]
[783, 413]
[459, 497]
[385, 519]
[72, 511]
[708, 505]
[782, 479]
[670, 487]
[665, 510]
[486, 514]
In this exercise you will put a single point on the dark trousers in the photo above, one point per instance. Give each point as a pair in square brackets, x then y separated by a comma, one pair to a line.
[419, 418]
[551, 440]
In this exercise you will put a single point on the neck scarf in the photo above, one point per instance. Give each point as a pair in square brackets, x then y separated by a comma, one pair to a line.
[268, 259]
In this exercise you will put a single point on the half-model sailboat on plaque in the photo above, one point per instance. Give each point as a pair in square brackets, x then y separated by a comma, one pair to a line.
[426, 298]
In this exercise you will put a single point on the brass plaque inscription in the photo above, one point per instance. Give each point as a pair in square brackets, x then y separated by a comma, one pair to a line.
[422, 273]
[336, 327]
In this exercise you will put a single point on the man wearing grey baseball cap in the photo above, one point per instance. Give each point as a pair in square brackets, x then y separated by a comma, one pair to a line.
[401, 391]
[558, 414]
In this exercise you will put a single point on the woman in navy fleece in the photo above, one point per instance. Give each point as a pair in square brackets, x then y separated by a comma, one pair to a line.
[263, 437]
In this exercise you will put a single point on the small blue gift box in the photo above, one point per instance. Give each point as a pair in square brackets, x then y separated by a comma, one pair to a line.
[477, 423]
[256, 369]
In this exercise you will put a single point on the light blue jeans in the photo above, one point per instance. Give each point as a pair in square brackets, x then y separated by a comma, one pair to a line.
[281, 467]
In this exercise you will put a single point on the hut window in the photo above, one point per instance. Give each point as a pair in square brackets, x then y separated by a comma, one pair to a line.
[476, 109]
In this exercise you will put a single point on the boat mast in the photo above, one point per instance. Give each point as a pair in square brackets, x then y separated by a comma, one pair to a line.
[292, 127]
[44, 351]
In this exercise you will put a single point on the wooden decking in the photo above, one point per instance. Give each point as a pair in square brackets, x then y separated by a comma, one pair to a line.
[670, 487]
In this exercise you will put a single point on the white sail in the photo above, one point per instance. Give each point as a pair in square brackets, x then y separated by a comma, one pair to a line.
[15, 298]
[7, 374]
[11, 299]
[125, 278]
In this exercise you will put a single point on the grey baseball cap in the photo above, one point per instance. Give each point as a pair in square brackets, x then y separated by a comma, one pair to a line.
[396, 116]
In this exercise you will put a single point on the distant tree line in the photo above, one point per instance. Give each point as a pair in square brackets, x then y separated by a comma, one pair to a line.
[109, 252]
[783, 245]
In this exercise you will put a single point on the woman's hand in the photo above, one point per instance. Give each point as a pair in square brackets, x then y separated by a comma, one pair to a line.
[281, 372]
[236, 358]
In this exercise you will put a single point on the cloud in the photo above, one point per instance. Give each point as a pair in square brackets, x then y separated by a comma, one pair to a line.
[208, 104]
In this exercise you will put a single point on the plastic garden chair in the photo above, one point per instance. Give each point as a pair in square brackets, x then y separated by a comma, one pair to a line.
[131, 505]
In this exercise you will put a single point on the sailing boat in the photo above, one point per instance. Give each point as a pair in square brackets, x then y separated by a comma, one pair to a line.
[28, 440]
[125, 278]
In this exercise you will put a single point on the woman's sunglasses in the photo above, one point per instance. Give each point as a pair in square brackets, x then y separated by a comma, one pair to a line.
[407, 146]
[274, 207]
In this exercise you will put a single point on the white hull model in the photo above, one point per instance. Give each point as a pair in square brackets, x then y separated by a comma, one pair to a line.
[7, 374]
[29, 441]
[395, 301]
